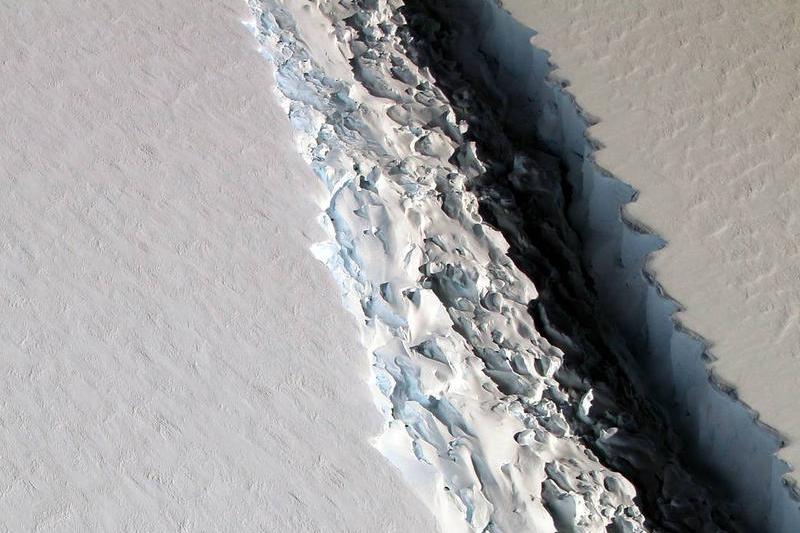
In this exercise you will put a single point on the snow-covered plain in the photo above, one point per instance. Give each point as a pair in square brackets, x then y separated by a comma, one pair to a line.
[173, 358]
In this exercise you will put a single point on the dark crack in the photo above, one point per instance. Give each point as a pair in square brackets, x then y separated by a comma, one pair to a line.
[524, 193]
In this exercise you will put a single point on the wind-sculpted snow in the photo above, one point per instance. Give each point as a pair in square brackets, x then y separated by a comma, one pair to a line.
[490, 421]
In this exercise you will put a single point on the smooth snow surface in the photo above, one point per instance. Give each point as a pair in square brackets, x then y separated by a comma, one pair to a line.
[173, 357]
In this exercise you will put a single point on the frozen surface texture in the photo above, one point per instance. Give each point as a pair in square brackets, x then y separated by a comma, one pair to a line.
[173, 358]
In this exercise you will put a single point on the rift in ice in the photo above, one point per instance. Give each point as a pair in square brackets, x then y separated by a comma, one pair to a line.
[459, 234]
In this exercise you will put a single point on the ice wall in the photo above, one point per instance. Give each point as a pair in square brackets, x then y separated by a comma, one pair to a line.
[722, 437]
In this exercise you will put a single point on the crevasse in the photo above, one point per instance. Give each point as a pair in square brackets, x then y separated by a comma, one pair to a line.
[720, 436]
[504, 410]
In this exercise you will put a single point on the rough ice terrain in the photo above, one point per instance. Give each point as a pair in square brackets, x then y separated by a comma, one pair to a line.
[509, 406]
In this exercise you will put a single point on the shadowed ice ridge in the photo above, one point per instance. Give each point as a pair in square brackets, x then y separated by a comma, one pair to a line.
[509, 406]
[720, 437]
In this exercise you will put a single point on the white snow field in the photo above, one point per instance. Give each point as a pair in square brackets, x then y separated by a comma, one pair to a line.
[696, 106]
[173, 357]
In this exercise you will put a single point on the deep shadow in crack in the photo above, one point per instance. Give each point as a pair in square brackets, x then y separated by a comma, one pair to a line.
[525, 194]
